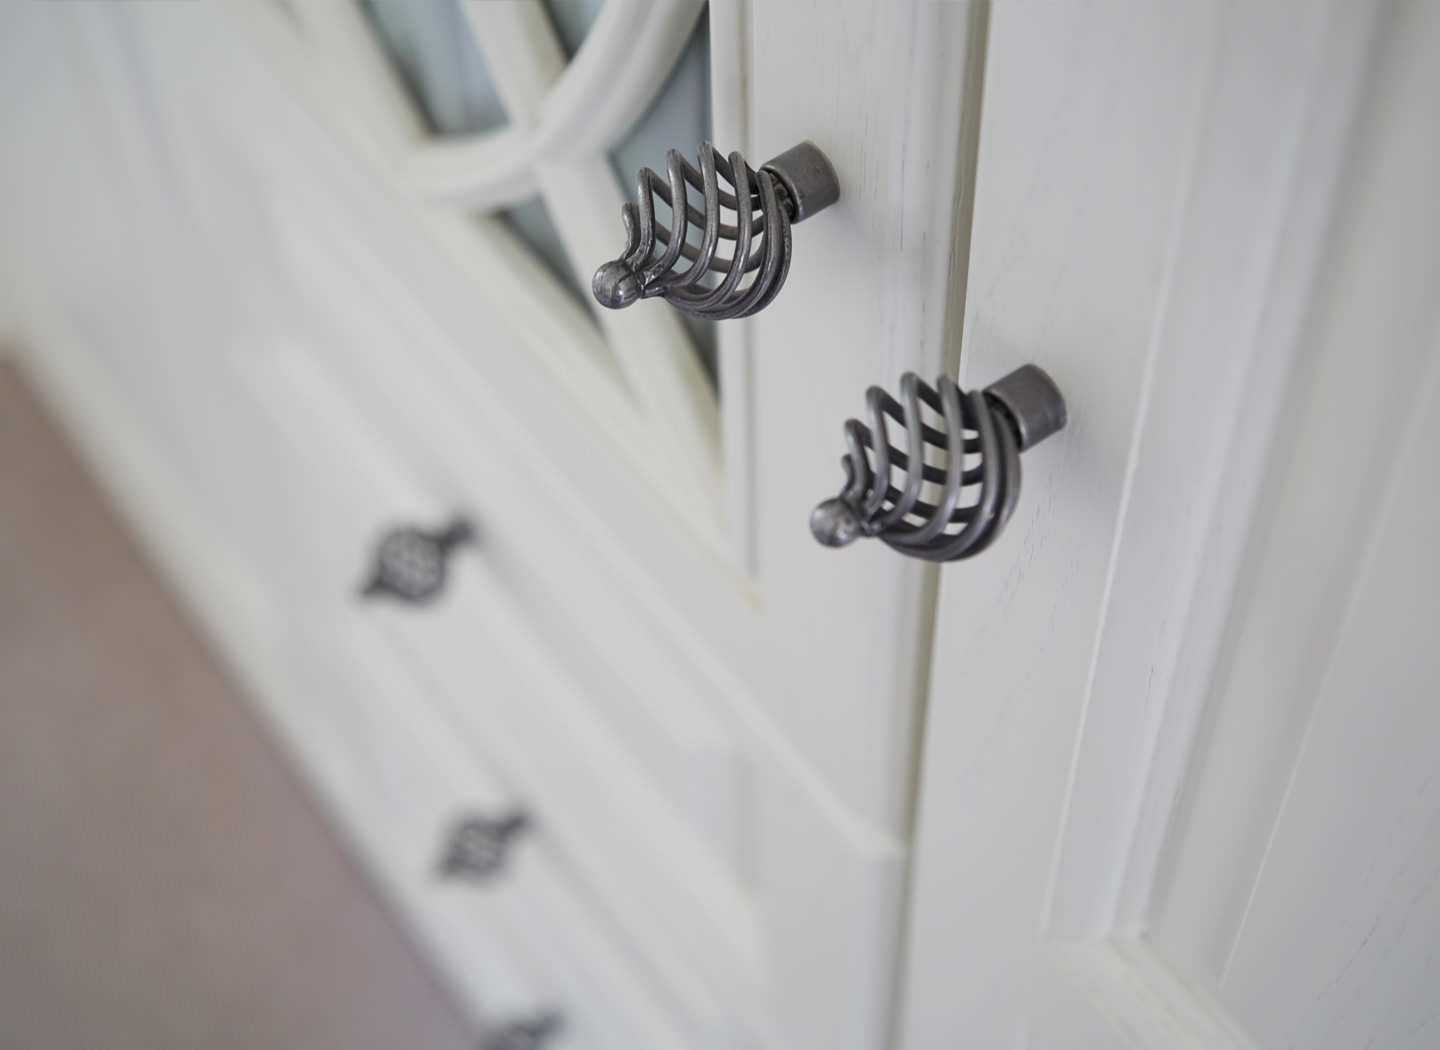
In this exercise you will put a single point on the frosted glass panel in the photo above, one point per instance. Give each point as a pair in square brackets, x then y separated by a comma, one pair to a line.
[572, 20]
[431, 46]
[531, 222]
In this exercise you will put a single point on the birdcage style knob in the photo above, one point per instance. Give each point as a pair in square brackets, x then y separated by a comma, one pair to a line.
[949, 491]
[726, 250]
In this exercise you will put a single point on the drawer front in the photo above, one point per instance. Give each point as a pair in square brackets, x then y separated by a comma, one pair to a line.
[542, 550]
[482, 689]
[514, 938]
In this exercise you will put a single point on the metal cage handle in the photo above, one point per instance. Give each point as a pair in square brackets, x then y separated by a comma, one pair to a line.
[683, 262]
[957, 507]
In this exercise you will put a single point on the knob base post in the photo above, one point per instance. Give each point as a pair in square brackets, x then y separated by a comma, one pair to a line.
[1031, 402]
[808, 177]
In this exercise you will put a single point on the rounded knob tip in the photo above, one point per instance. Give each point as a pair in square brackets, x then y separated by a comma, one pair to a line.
[835, 523]
[615, 285]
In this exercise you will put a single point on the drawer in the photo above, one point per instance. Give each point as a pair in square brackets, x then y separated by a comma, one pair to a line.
[475, 668]
[517, 944]
[460, 428]
[384, 756]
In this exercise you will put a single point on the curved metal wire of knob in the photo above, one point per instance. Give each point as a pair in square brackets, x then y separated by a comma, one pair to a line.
[980, 444]
[689, 271]
[410, 562]
[479, 845]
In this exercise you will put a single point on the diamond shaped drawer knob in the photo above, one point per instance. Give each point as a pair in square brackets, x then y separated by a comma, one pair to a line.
[410, 562]
[479, 845]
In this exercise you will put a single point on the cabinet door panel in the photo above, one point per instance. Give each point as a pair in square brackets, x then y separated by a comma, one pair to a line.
[1154, 810]
[285, 219]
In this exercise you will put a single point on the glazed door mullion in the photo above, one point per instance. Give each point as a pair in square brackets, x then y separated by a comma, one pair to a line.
[525, 60]
[837, 661]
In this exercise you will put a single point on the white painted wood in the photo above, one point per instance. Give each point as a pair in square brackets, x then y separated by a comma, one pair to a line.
[1222, 594]
[854, 277]
[522, 55]
[810, 987]
[237, 281]
[511, 702]
[1214, 388]
[659, 367]
[526, 61]
[8, 326]
[334, 59]
[1141, 997]
[541, 747]
[1217, 587]
[1088, 131]
[729, 109]
[627, 54]
[389, 770]
[1351, 960]
[1337, 604]
[596, 98]
[843, 634]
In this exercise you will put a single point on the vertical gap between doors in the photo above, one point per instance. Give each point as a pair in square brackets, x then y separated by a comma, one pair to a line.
[966, 167]
[955, 269]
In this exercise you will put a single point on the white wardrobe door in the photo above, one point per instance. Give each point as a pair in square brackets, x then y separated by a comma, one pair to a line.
[1178, 780]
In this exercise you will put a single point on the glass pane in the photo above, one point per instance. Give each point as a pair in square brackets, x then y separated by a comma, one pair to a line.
[431, 46]
[532, 224]
[572, 20]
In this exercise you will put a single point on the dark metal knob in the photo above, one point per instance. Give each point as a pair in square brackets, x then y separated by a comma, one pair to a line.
[529, 1033]
[410, 562]
[682, 262]
[884, 483]
[479, 845]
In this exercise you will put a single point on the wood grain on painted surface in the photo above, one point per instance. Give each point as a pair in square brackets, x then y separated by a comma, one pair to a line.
[1336, 947]
[1088, 128]
[1129, 241]
[1301, 878]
